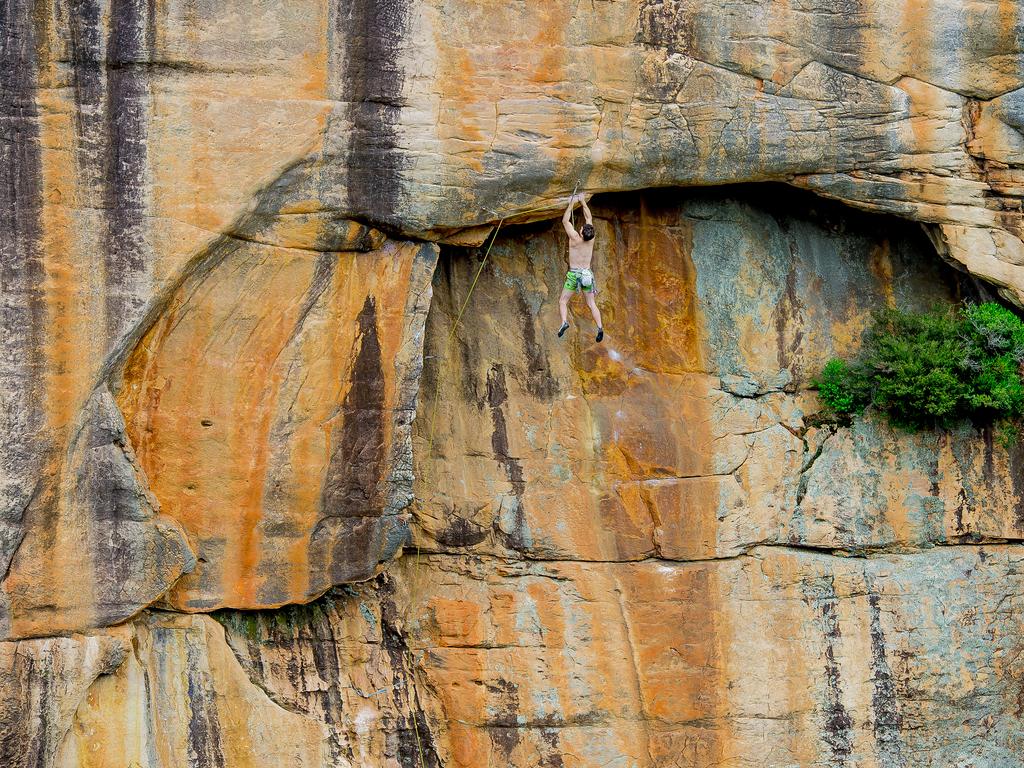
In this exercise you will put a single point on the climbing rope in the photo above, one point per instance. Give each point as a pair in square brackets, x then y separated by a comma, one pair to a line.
[413, 696]
[572, 200]
[414, 580]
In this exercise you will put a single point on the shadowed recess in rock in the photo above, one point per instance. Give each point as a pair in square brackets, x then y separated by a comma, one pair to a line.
[684, 434]
[345, 661]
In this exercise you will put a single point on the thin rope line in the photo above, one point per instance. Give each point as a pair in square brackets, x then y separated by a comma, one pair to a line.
[415, 580]
[455, 329]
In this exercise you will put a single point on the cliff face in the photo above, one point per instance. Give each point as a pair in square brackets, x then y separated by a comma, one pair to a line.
[296, 472]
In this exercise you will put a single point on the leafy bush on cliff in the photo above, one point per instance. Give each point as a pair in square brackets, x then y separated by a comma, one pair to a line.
[927, 369]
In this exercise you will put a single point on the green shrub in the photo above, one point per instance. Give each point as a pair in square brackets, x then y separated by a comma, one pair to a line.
[926, 369]
[995, 329]
[841, 388]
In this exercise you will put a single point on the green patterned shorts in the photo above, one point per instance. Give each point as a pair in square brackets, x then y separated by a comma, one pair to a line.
[575, 278]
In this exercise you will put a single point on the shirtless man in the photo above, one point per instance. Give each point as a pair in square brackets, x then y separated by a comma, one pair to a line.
[579, 278]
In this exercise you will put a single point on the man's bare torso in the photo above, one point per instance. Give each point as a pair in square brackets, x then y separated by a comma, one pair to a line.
[580, 254]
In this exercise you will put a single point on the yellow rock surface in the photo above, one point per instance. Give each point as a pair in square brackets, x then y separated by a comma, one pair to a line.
[181, 698]
[292, 473]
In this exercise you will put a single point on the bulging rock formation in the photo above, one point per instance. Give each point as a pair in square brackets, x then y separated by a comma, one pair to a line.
[295, 471]
[288, 457]
[99, 551]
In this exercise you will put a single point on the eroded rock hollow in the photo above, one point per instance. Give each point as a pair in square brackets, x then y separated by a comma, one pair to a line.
[296, 472]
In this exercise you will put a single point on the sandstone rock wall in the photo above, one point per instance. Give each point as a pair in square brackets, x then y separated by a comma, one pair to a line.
[265, 500]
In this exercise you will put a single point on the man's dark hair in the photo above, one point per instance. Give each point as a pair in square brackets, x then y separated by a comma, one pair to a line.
[587, 232]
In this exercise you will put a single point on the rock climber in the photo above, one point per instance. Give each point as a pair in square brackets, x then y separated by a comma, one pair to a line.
[579, 278]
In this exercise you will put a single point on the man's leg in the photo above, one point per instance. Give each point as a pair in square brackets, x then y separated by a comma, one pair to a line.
[563, 309]
[592, 303]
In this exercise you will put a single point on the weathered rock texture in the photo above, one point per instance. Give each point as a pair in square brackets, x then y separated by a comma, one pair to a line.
[261, 356]
[100, 551]
[42, 684]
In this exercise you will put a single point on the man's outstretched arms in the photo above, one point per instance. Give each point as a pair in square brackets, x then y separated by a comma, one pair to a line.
[567, 219]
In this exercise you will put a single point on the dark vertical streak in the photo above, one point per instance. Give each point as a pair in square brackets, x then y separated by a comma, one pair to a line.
[884, 703]
[553, 756]
[539, 381]
[125, 162]
[22, 304]
[503, 724]
[24, 738]
[415, 741]
[110, 117]
[328, 663]
[204, 732]
[841, 32]
[372, 84]
[345, 543]
[49, 725]
[352, 482]
[497, 395]
[87, 80]
[837, 729]
[1015, 457]
[151, 29]
[789, 312]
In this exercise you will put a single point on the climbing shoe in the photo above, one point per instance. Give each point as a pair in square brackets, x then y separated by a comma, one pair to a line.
[563, 329]
[600, 333]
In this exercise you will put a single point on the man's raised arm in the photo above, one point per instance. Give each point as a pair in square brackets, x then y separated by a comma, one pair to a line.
[586, 210]
[567, 221]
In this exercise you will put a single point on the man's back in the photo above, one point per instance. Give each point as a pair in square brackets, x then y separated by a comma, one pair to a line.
[581, 253]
